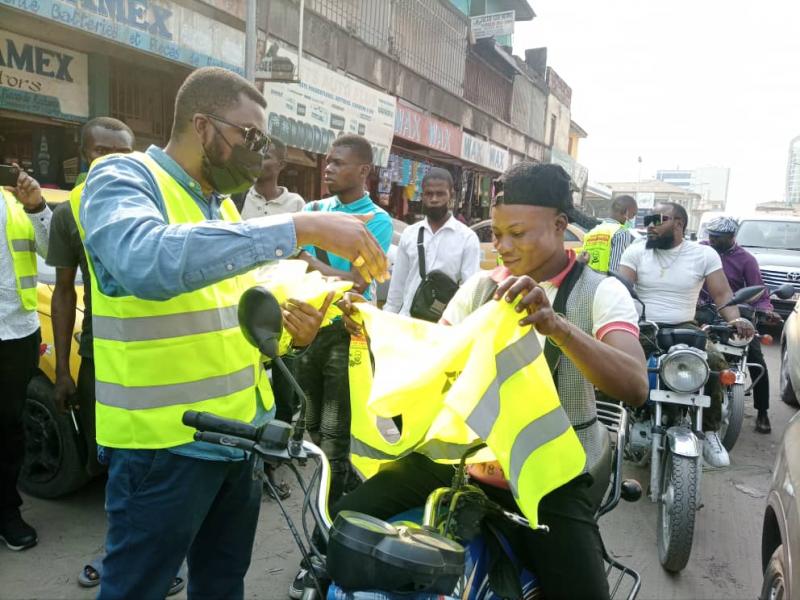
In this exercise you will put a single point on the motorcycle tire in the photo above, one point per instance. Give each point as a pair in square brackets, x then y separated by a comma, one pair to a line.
[52, 467]
[732, 422]
[677, 507]
[774, 585]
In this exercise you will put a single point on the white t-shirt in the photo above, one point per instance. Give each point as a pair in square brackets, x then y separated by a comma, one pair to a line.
[255, 205]
[613, 308]
[669, 281]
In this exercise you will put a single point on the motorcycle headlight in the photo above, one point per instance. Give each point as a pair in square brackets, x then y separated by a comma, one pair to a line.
[740, 342]
[684, 371]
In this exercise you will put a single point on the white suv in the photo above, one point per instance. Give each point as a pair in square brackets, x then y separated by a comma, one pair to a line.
[775, 242]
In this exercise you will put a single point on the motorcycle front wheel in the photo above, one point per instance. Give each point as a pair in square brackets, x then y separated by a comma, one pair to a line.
[676, 510]
[732, 416]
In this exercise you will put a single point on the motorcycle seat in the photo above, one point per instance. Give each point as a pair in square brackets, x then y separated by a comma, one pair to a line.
[601, 470]
[693, 338]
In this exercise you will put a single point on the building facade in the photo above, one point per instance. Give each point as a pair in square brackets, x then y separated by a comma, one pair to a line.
[407, 75]
[650, 193]
[710, 182]
[793, 173]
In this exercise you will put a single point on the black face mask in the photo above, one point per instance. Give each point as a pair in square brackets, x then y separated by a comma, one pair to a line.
[236, 174]
[435, 213]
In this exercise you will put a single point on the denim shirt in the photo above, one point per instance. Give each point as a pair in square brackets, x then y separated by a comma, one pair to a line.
[135, 251]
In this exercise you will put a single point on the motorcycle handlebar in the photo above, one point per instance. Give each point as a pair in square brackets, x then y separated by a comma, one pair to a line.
[206, 422]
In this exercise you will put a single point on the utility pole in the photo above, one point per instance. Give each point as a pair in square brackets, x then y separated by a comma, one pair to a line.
[251, 39]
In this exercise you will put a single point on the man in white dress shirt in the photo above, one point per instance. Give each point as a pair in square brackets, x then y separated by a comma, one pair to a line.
[450, 246]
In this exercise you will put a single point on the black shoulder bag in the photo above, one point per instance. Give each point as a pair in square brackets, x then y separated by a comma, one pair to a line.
[435, 290]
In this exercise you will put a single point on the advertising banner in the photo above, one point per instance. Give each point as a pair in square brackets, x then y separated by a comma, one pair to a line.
[309, 115]
[160, 27]
[483, 153]
[43, 79]
[493, 25]
[412, 125]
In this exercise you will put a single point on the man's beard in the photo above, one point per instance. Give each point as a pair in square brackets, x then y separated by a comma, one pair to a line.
[435, 213]
[663, 242]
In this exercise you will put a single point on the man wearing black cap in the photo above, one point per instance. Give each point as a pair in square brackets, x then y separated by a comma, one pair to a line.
[741, 270]
[587, 327]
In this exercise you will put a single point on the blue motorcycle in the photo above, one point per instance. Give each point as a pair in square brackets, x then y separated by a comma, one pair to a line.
[436, 552]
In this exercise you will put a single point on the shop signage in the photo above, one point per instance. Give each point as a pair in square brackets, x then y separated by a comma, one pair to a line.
[493, 25]
[160, 27]
[309, 115]
[40, 78]
[417, 127]
[484, 153]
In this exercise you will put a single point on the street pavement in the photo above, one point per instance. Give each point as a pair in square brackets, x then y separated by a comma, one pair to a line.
[725, 562]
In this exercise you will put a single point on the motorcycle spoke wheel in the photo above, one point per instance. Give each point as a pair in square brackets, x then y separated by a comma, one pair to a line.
[677, 507]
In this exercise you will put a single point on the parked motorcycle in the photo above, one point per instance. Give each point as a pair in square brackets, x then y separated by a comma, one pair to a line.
[426, 560]
[736, 350]
[668, 431]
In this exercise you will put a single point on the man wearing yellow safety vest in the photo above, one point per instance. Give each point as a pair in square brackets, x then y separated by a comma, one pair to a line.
[169, 258]
[587, 325]
[605, 243]
[24, 223]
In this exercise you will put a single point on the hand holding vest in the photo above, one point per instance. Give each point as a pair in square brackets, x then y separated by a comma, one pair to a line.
[484, 379]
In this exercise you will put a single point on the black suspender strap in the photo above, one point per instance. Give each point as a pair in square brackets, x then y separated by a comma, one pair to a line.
[552, 353]
[321, 254]
[421, 252]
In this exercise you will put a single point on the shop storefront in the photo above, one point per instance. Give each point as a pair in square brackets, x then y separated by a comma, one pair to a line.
[308, 116]
[68, 61]
[421, 142]
[487, 162]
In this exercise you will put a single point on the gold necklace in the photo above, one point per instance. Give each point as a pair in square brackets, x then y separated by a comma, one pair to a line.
[674, 260]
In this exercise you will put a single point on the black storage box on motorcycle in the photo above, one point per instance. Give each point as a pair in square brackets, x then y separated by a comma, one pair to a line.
[365, 553]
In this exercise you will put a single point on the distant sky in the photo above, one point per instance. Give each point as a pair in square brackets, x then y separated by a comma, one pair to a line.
[680, 83]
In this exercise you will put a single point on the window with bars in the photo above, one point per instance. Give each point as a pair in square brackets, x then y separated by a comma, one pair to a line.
[144, 102]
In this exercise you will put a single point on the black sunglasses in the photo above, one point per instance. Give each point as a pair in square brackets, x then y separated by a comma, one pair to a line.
[656, 219]
[255, 139]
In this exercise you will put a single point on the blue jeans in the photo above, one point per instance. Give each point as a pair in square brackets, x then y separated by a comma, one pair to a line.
[163, 507]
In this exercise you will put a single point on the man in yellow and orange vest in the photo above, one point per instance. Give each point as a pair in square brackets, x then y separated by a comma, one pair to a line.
[169, 258]
[24, 222]
[605, 243]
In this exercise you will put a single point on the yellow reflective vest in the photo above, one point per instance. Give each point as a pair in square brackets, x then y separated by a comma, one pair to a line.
[483, 379]
[156, 359]
[22, 246]
[597, 244]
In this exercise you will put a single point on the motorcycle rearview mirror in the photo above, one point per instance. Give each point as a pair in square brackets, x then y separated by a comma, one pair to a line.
[746, 295]
[785, 292]
[631, 290]
[261, 320]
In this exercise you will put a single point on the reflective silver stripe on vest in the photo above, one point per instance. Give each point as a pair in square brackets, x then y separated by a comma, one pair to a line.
[508, 361]
[158, 396]
[142, 329]
[23, 245]
[27, 282]
[538, 433]
[434, 449]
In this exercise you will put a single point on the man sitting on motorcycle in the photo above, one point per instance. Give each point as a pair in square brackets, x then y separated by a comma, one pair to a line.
[598, 345]
[668, 272]
[741, 270]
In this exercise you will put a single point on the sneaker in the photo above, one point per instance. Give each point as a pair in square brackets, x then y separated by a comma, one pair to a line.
[714, 452]
[762, 422]
[16, 533]
[297, 586]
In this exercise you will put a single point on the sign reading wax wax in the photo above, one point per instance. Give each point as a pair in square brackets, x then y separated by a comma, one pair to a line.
[324, 105]
[43, 79]
[160, 27]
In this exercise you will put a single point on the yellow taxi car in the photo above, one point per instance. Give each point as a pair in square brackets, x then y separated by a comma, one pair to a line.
[573, 239]
[56, 451]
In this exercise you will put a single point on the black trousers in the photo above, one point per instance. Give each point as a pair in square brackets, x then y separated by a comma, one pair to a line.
[19, 360]
[761, 390]
[323, 373]
[568, 560]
